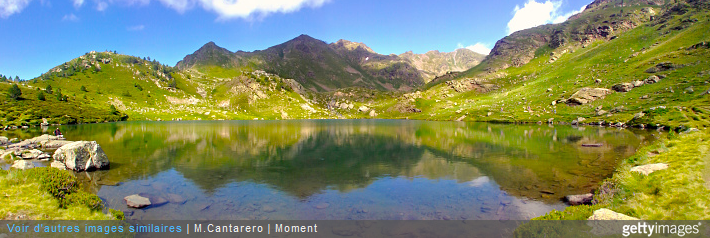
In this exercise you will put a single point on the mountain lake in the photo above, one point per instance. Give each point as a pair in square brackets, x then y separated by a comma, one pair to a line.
[349, 169]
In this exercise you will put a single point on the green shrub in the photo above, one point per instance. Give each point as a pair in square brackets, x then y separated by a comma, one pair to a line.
[59, 183]
[89, 200]
[117, 214]
[63, 185]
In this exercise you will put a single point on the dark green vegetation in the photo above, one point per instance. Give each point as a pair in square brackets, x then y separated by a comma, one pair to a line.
[36, 104]
[47, 194]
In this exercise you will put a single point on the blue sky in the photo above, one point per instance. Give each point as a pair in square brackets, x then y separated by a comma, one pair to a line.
[41, 34]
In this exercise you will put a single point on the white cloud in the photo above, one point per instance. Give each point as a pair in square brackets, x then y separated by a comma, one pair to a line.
[479, 47]
[78, 3]
[563, 18]
[70, 17]
[247, 9]
[135, 28]
[535, 13]
[225, 9]
[9, 7]
[101, 6]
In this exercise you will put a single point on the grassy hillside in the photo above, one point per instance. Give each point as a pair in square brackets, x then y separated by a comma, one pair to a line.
[29, 110]
[527, 93]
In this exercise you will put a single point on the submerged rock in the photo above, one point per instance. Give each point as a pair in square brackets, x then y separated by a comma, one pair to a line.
[155, 200]
[82, 155]
[136, 201]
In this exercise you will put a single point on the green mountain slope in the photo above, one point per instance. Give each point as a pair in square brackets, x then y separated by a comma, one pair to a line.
[670, 45]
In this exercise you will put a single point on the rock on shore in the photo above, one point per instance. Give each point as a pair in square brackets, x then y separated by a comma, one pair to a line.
[82, 155]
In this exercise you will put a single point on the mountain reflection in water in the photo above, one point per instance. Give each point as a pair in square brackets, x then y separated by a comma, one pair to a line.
[350, 169]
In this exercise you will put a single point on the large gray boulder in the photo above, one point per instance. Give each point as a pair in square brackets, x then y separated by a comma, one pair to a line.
[622, 87]
[586, 95]
[4, 140]
[82, 155]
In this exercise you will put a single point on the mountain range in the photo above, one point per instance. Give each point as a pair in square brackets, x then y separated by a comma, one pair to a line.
[324, 67]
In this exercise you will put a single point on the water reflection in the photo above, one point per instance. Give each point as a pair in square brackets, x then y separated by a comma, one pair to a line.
[351, 169]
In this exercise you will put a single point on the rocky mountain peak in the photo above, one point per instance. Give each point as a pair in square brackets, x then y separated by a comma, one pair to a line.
[352, 45]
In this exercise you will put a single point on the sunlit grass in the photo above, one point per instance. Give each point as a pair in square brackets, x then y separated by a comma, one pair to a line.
[22, 198]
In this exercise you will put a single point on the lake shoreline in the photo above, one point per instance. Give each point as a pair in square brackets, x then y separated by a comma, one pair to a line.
[654, 196]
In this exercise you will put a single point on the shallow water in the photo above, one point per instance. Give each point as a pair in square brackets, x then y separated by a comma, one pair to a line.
[350, 169]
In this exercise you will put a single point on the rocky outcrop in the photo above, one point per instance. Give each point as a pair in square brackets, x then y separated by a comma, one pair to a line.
[579, 199]
[665, 66]
[587, 95]
[433, 64]
[622, 87]
[136, 201]
[82, 155]
[54, 144]
[649, 168]
[373, 113]
[652, 79]
[466, 85]
[32, 154]
[606, 214]
[37, 142]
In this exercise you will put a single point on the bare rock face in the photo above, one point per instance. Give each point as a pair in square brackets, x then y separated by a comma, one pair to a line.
[82, 155]
[136, 201]
[586, 95]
